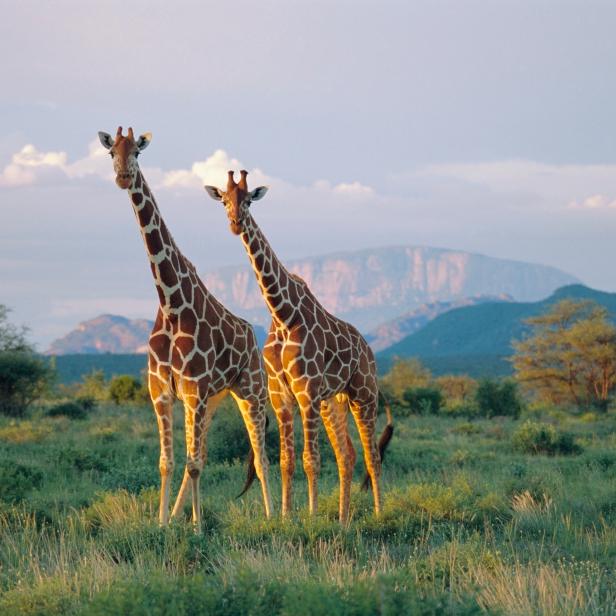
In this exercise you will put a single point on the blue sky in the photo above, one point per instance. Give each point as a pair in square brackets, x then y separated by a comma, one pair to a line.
[484, 126]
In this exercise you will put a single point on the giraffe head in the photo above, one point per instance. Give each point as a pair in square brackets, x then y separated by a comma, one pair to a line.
[124, 152]
[236, 199]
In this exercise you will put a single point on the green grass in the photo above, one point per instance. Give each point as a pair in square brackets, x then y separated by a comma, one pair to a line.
[471, 524]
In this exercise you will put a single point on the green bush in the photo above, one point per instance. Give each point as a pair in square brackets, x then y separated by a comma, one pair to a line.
[423, 400]
[125, 388]
[82, 459]
[535, 437]
[71, 409]
[16, 480]
[498, 399]
[23, 379]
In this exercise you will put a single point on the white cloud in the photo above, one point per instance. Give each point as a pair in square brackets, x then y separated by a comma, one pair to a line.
[351, 189]
[31, 166]
[594, 202]
[28, 164]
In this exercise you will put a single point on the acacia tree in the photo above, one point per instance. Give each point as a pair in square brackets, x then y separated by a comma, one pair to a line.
[12, 338]
[570, 357]
[23, 376]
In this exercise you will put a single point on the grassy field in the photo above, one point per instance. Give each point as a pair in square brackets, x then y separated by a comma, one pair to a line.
[470, 525]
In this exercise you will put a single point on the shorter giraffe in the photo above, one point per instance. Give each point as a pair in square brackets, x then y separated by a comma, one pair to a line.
[321, 362]
[198, 350]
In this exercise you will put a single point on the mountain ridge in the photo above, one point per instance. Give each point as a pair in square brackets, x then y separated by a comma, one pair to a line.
[484, 330]
[371, 286]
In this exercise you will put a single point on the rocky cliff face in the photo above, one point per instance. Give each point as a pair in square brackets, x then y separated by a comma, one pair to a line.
[106, 333]
[370, 287]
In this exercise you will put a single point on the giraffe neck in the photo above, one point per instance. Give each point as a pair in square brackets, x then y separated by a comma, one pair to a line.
[282, 292]
[168, 264]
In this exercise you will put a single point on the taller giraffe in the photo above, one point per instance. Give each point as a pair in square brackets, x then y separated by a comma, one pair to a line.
[313, 357]
[198, 351]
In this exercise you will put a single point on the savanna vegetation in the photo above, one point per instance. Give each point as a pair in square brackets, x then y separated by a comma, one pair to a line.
[498, 500]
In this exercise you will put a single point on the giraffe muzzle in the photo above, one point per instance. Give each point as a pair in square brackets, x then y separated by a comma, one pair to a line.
[123, 180]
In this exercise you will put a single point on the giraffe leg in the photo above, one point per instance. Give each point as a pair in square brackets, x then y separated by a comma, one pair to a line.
[282, 403]
[163, 406]
[253, 413]
[364, 414]
[212, 405]
[195, 403]
[334, 416]
[312, 463]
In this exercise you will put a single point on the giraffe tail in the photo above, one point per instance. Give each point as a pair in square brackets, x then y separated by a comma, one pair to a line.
[251, 471]
[388, 432]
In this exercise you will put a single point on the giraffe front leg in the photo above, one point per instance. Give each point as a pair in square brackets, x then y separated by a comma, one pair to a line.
[334, 415]
[196, 408]
[212, 404]
[163, 406]
[312, 462]
[282, 403]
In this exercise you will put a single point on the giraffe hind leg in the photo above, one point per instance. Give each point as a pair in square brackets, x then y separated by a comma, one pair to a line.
[334, 416]
[364, 415]
[253, 413]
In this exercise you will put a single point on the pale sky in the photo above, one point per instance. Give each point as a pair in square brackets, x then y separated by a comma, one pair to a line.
[484, 126]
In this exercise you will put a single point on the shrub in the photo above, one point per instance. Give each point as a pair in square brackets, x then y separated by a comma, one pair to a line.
[82, 459]
[423, 400]
[71, 409]
[23, 379]
[93, 386]
[498, 399]
[124, 388]
[534, 437]
[406, 373]
[16, 480]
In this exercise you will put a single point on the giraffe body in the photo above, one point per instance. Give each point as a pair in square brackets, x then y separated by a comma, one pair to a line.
[312, 358]
[198, 350]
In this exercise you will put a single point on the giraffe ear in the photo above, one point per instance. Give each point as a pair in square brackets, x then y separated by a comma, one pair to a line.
[144, 141]
[214, 192]
[258, 193]
[105, 139]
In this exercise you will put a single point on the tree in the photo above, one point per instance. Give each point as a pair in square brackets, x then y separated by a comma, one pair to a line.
[23, 376]
[93, 386]
[405, 374]
[498, 399]
[457, 388]
[570, 358]
[124, 388]
[12, 338]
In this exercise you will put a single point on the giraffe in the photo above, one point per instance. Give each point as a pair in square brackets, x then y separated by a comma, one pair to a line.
[198, 351]
[313, 358]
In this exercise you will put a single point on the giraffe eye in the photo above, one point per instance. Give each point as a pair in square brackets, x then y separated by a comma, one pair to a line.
[111, 154]
[137, 154]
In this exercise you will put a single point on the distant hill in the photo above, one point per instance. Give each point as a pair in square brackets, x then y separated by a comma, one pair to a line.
[109, 333]
[370, 287]
[397, 329]
[476, 339]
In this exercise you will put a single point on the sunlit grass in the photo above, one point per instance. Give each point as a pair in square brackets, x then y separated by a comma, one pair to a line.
[493, 530]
